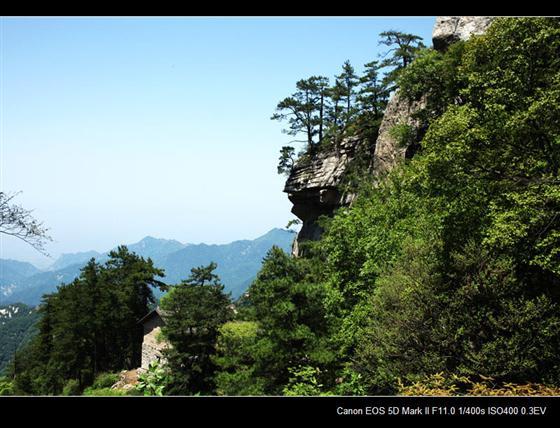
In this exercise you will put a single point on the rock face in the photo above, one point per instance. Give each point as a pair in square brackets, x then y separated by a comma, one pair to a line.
[449, 29]
[389, 151]
[313, 188]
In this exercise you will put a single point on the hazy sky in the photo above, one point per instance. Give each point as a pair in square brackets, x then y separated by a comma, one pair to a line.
[118, 128]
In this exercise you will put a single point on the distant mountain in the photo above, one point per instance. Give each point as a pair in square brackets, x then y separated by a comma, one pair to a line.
[30, 290]
[66, 260]
[17, 326]
[12, 273]
[11, 270]
[156, 249]
[238, 263]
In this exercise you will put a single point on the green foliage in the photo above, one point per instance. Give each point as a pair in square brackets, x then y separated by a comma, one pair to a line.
[193, 311]
[404, 48]
[154, 380]
[6, 387]
[451, 265]
[72, 387]
[293, 222]
[433, 77]
[353, 106]
[105, 392]
[235, 350]
[17, 328]
[404, 134]
[350, 383]
[305, 110]
[105, 380]
[287, 299]
[286, 160]
[303, 381]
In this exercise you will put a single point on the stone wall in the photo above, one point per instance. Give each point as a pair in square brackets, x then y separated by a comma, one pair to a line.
[151, 346]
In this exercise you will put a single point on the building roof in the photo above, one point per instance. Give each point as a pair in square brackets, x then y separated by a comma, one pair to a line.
[156, 312]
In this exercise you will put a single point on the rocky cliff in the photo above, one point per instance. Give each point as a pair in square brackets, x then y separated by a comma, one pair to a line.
[314, 184]
[314, 188]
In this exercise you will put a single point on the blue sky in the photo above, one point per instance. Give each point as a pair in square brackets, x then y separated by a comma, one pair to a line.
[118, 128]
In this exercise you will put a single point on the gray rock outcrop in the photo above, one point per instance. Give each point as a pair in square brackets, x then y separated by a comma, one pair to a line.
[388, 151]
[449, 29]
[314, 188]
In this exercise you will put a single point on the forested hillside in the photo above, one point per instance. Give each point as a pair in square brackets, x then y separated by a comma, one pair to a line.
[17, 327]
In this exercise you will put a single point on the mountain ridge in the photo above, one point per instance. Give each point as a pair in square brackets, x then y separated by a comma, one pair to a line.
[238, 262]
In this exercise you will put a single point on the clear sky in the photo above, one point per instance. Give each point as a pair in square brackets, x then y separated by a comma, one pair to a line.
[118, 128]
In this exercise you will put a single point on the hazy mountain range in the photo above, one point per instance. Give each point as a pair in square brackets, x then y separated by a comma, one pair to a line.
[238, 263]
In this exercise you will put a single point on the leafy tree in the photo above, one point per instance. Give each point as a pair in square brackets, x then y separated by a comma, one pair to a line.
[450, 265]
[321, 86]
[194, 310]
[235, 350]
[348, 81]
[335, 109]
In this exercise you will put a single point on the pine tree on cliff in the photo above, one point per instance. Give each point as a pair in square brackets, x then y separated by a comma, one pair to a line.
[373, 94]
[348, 81]
[403, 49]
[305, 110]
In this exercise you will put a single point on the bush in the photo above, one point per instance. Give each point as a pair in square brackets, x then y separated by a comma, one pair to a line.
[106, 392]
[235, 350]
[105, 380]
[438, 385]
[6, 387]
[303, 382]
[153, 381]
[72, 387]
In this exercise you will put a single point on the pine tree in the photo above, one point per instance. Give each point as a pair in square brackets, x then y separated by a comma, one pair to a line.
[193, 312]
[373, 94]
[305, 110]
[348, 81]
[403, 49]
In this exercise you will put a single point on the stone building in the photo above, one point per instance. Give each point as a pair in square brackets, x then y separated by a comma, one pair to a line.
[152, 344]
